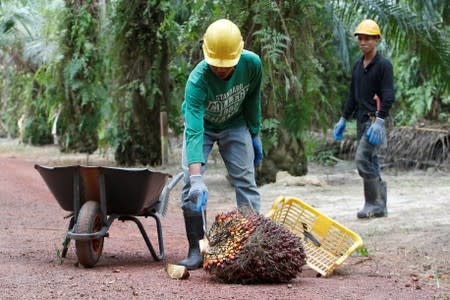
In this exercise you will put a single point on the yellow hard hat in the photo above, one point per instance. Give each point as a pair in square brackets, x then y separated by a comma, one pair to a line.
[222, 44]
[368, 27]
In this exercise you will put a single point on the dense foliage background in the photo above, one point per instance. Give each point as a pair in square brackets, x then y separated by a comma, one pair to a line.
[105, 69]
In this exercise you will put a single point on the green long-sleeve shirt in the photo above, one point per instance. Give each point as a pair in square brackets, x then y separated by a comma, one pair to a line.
[213, 104]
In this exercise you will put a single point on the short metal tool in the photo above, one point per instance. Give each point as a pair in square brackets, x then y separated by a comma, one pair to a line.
[205, 226]
[309, 236]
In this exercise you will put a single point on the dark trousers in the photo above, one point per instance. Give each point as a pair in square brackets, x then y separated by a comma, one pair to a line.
[366, 154]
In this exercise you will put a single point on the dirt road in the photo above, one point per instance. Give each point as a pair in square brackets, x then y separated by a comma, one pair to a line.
[409, 252]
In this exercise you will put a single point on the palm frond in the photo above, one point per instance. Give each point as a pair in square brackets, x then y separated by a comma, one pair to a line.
[30, 27]
[274, 43]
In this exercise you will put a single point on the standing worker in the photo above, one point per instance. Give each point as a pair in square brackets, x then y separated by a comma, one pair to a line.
[370, 98]
[222, 103]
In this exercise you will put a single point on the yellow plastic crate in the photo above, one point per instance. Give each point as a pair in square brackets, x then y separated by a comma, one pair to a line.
[331, 243]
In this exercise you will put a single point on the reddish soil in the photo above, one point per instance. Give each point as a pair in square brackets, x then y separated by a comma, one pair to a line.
[32, 228]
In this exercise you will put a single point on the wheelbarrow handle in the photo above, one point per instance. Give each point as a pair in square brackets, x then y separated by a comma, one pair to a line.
[164, 196]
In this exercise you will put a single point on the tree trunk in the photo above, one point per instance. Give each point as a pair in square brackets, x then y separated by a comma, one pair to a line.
[80, 112]
[143, 144]
[289, 155]
[143, 59]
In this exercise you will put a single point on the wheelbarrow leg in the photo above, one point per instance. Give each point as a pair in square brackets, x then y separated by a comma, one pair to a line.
[145, 236]
[67, 239]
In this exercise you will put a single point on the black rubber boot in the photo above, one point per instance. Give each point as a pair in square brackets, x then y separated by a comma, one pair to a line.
[375, 199]
[383, 195]
[194, 232]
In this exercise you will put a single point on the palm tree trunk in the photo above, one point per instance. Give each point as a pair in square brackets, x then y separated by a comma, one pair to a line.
[143, 59]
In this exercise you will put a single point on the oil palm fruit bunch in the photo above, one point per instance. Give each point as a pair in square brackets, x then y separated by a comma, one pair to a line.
[246, 247]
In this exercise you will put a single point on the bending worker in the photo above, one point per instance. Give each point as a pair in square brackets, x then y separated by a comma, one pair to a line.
[370, 98]
[222, 105]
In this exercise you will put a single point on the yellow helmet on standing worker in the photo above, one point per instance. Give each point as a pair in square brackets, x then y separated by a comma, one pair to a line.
[222, 44]
[368, 27]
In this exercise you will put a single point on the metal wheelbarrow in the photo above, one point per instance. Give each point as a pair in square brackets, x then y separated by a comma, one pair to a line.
[96, 196]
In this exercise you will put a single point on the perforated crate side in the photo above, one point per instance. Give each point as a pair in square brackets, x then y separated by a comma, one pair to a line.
[336, 241]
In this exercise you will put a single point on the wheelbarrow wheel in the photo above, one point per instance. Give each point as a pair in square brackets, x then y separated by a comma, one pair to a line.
[89, 221]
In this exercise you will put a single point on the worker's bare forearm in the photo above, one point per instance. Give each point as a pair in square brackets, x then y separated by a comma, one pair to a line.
[195, 169]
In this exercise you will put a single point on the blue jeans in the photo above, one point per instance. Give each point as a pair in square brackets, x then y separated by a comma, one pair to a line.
[366, 155]
[236, 148]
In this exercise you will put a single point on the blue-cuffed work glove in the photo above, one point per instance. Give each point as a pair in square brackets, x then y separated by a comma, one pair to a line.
[376, 132]
[198, 193]
[201, 202]
[338, 131]
[257, 148]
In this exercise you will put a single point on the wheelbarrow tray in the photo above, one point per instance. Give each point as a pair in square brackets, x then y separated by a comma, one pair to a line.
[128, 191]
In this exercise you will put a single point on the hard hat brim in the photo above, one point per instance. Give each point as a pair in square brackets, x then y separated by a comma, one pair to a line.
[223, 63]
[367, 33]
